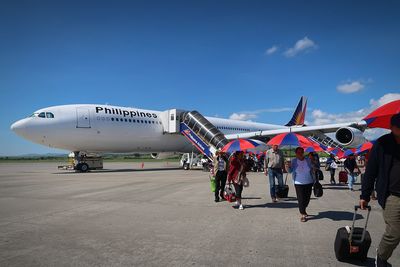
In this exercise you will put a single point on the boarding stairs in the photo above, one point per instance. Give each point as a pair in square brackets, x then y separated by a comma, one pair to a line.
[325, 140]
[196, 128]
[202, 133]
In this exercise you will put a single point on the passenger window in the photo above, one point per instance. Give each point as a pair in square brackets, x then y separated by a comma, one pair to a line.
[112, 119]
[130, 120]
[42, 115]
[116, 119]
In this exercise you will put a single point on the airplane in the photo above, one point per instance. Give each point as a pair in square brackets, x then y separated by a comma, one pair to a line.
[97, 128]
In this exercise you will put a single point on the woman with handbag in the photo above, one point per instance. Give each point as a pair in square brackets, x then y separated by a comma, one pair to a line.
[302, 173]
[237, 175]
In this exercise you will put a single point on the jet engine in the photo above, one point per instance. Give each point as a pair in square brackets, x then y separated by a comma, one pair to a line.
[348, 136]
[163, 155]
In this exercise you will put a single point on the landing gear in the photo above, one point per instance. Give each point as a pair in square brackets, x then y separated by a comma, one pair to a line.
[82, 167]
[84, 162]
[186, 166]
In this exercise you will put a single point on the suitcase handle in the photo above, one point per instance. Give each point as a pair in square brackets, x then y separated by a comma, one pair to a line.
[354, 220]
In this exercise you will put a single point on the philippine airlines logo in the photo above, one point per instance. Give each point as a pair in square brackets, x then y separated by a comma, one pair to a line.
[189, 134]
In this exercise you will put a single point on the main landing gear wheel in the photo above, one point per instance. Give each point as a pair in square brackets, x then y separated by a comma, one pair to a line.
[82, 167]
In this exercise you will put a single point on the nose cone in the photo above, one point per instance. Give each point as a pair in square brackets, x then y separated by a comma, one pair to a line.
[19, 127]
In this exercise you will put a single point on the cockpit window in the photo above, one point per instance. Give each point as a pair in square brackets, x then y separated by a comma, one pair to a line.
[43, 115]
[49, 115]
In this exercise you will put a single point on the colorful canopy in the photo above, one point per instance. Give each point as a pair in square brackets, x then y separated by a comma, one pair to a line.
[380, 118]
[290, 139]
[349, 152]
[336, 151]
[239, 145]
[365, 147]
[316, 148]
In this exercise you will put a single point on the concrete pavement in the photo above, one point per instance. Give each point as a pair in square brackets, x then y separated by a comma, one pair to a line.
[126, 216]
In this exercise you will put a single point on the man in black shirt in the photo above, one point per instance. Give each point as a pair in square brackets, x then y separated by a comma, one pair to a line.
[384, 169]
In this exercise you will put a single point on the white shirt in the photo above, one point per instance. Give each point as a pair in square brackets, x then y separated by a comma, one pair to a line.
[303, 175]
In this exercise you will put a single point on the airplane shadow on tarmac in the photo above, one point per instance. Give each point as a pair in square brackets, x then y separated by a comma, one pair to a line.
[120, 170]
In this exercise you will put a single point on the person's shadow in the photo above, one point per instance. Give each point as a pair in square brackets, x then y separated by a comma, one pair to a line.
[369, 262]
[278, 205]
[335, 216]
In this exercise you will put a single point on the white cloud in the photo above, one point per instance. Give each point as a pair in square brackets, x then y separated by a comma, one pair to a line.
[271, 50]
[249, 115]
[242, 116]
[301, 45]
[350, 87]
[384, 100]
[319, 117]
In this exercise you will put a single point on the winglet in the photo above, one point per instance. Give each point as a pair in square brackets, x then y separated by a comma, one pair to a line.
[299, 114]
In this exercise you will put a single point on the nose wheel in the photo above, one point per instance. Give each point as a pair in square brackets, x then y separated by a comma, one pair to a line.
[79, 165]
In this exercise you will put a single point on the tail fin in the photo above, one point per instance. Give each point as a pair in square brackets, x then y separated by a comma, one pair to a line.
[299, 114]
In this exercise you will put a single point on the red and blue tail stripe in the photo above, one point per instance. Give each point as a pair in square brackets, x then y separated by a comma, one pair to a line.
[299, 114]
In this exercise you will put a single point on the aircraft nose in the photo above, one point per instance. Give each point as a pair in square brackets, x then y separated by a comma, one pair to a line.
[18, 127]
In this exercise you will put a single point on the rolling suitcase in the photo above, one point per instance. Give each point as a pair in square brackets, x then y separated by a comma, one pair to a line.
[353, 243]
[282, 191]
[342, 177]
[319, 175]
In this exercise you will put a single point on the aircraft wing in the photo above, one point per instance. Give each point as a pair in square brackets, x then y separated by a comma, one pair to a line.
[305, 130]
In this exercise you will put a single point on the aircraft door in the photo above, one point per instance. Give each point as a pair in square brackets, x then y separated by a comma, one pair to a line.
[82, 117]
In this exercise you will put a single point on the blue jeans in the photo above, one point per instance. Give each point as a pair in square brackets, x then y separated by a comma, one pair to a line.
[272, 174]
[352, 179]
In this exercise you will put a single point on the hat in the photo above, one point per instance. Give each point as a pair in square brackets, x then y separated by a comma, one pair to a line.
[395, 120]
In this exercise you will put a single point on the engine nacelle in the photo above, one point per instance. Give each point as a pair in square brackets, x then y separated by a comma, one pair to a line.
[348, 136]
[163, 155]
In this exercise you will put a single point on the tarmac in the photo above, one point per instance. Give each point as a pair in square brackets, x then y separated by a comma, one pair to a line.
[164, 216]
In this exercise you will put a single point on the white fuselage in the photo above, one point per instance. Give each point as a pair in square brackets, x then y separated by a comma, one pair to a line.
[104, 128]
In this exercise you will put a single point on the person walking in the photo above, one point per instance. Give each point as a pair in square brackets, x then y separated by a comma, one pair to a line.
[383, 174]
[331, 166]
[237, 176]
[273, 166]
[302, 173]
[316, 165]
[350, 164]
[220, 167]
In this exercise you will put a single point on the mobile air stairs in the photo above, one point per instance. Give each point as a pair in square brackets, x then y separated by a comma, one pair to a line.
[324, 140]
[195, 127]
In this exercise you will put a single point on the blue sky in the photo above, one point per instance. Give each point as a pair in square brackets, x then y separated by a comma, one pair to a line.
[224, 58]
